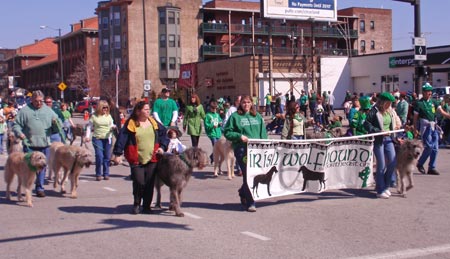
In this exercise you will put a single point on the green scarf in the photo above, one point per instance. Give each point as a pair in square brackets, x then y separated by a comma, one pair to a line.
[28, 161]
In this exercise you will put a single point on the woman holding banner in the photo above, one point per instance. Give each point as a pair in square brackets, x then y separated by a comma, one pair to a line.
[242, 125]
[383, 118]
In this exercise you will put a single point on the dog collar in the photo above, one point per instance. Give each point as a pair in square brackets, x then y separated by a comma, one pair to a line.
[28, 161]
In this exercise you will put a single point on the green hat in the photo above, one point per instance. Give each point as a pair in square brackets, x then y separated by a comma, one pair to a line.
[427, 87]
[387, 96]
[364, 101]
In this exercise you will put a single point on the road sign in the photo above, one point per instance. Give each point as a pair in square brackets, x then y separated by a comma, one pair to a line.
[420, 49]
[147, 85]
[62, 86]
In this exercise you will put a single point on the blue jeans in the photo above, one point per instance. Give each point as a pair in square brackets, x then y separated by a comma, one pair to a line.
[40, 178]
[102, 148]
[213, 142]
[386, 162]
[430, 141]
[240, 153]
[1, 143]
[55, 137]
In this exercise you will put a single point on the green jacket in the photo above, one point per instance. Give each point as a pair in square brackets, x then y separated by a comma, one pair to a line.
[213, 119]
[193, 119]
[357, 123]
[36, 125]
[245, 124]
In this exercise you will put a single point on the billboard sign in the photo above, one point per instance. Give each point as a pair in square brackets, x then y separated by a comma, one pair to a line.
[319, 10]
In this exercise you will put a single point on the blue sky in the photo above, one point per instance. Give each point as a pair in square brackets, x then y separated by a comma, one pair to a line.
[20, 19]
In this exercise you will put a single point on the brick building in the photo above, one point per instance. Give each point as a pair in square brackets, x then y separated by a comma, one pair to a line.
[146, 40]
[39, 65]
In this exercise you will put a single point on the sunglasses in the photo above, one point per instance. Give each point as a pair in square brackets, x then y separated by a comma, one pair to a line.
[105, 108]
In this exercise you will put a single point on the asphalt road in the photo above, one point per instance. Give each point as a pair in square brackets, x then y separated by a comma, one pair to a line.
[333, 224]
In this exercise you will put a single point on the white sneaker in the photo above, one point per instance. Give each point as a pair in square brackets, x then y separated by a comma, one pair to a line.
[388, 192]
[383, 195]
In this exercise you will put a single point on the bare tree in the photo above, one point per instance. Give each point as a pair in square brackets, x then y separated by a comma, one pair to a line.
[78, 78]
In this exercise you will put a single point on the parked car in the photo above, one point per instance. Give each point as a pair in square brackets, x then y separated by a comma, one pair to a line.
[83, 106]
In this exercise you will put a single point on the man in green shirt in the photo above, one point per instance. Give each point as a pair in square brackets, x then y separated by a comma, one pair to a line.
[425, 118]
[165, 109]
[34, 124]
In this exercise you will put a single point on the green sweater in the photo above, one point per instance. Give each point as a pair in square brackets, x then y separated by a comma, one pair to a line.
[245, 124]
[213, 119]
[35, 124]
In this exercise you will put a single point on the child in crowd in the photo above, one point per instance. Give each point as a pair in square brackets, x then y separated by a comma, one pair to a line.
[175, 146]
[213, 124]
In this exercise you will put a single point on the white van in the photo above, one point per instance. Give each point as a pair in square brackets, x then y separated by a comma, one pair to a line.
[440, 91]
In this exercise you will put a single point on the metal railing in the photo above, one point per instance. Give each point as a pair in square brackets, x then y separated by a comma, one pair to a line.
[219, 50]
[319, 31]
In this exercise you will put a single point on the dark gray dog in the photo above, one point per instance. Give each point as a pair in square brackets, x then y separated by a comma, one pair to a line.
[175, 172]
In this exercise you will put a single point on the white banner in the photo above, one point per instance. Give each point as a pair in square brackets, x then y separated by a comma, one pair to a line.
[282, 167]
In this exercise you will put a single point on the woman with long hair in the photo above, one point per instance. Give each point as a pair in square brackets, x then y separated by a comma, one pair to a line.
[140, 139]
[383, 118]
[102, 126]
[242, 125]
[294, 123]
[193, 119]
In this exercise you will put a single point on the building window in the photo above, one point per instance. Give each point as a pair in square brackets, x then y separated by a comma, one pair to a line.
[179, 41]
[179, 63]
[171, 17]
[116, 18]
[162, 17]
[362, 26]
[117, 41]
[106, 64]
[283, 43]
[162, 41]
[372, 44]
[172, 63]
[163, 63]
[178, 18]
[171, 40]
[372, 25]
[2, 57]
[105, 23]
[363, 46]
[105, 43]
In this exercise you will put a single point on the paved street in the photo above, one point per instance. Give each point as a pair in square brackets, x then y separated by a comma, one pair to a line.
[334, 224]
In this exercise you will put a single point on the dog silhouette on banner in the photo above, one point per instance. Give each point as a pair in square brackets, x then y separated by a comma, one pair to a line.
[264, 179]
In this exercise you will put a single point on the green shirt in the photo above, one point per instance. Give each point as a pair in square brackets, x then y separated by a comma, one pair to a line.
[165, 109]
[36, 124]
[426, 109]
[245, 124]
[387, 121]
[303, 99]
[213, 119]
[357, 123]
[66, 114]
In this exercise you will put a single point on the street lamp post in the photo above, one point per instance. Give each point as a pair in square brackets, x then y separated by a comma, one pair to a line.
[60, 55]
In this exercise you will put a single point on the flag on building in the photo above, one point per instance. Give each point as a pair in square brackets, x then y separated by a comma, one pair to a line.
[117, 69]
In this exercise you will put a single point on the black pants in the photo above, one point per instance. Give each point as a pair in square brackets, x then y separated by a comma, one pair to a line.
[143, 177]
[194, 140]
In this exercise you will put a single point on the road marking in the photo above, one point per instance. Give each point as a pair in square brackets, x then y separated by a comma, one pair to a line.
[409, 253]
[192, 215]
[110, 189]
[251, 234]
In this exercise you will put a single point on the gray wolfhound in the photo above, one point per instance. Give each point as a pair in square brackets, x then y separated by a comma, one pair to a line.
[175, 171]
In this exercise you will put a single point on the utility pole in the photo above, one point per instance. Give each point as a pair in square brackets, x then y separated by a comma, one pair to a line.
[419, 65]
